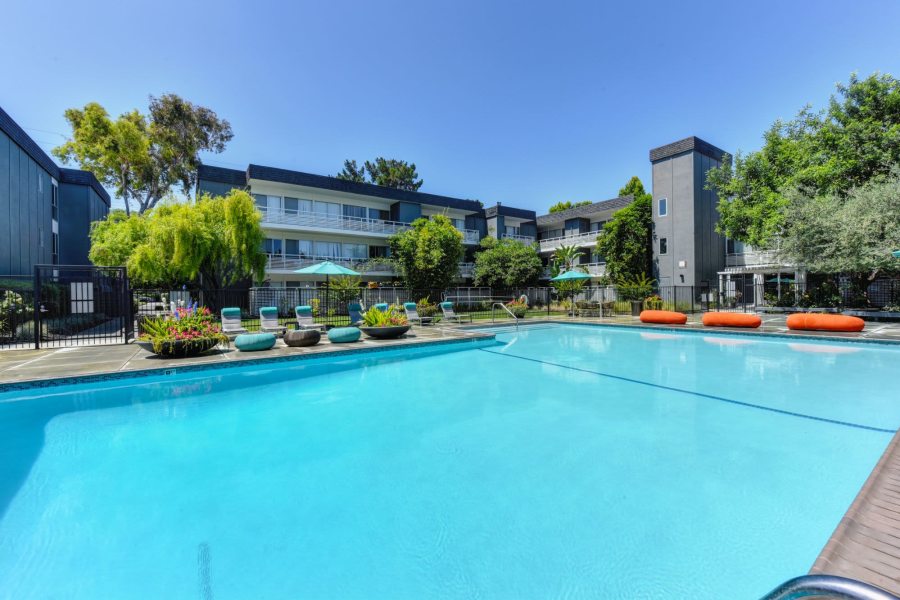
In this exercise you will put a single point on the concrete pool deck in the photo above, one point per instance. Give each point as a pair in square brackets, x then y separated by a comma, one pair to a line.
[864, 546]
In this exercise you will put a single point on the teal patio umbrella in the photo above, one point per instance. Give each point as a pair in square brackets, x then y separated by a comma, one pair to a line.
[326, 268]
[571, 275]
[896, 253]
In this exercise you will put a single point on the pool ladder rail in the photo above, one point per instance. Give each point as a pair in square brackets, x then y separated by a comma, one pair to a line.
[506, 308]
[827, 586]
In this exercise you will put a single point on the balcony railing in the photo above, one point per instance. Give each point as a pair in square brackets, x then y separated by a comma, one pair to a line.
[298, 218]
[363, 266]
[593, 269]
[525, 239]
[751, 258]
[579, 239]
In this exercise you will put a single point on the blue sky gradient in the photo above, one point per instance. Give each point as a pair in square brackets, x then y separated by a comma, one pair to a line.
[526, 103]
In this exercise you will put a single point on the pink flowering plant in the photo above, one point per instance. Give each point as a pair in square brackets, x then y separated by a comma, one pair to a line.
[191, 330]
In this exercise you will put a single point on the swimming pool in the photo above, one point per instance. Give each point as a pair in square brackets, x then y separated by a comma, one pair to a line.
[557, 462]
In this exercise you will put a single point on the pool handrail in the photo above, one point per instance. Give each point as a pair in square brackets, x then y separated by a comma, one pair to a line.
[506, 308]
[827, 586]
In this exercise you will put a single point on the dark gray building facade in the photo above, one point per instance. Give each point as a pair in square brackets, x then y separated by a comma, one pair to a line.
[687, 250]
[45, 211]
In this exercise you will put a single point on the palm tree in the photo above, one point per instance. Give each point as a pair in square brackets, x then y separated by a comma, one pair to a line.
[564, 259]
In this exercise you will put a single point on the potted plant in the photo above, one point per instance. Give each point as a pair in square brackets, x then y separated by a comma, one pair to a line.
[635, 290]
[653, 302]
[385, 324]
[427, 309]
[518, 308]
[191, 331]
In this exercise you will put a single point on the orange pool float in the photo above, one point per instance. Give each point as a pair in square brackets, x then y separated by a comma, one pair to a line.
[665, 317]
[726, 319]
[825, 322]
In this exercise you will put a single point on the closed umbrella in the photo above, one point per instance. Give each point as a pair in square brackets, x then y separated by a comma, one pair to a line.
[571, 276]
[326, 268]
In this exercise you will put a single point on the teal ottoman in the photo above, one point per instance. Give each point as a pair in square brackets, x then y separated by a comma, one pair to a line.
[253, 342]
[343, 335]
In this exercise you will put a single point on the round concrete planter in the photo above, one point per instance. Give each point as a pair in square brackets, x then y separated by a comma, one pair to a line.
[185, 349]
[393, 331]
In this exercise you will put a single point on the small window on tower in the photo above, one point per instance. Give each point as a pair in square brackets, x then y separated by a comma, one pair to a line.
[663, 246]
[663, 207]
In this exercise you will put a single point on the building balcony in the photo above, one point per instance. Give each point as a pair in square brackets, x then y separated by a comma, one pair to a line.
[310, 221]
[525, 239]
[592, 269]
[578, 239]
[751, 258]
[289, 263]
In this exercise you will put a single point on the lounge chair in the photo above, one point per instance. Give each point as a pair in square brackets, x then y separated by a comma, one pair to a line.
[305, 318]
[268, 320]
[412, 314]
[355, 309]
[382, 306]
[451, 316]
[231, 322]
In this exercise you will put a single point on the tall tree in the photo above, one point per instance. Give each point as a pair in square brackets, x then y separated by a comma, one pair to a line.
[217, 239]
[854, 141]
[428, 253]
[144, 157]
[352, 172]
[626, 241]
[507, 263]
[567, 204]
[387, 172]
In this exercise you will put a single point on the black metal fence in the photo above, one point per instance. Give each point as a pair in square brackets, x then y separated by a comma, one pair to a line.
[65, 306]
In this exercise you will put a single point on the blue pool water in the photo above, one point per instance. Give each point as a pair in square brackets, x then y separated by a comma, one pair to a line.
[561, 462]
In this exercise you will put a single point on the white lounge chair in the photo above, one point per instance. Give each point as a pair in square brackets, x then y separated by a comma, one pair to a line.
[305, 318]
[268, 320]
[451, 316]
[231, 322]
[412, 314]
[355, 309]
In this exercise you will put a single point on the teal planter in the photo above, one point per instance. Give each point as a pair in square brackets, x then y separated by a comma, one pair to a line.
[254, 342]
[343, 335]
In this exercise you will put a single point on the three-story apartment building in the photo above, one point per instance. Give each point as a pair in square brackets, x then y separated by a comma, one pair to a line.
[309, 218]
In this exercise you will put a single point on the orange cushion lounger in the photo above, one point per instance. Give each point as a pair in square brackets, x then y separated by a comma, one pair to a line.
[666, 317]
[825, 322]
[726, 319]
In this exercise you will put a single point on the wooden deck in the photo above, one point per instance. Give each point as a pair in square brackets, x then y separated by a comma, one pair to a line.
[866, 543]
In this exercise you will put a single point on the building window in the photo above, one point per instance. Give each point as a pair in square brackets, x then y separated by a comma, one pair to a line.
[355, 211]
[291, 205]
[663, 246]
[272, 246]
[54, 203]
[327, 249]
[663, 207]
[360, 251]
[598, 225]
[54, 237]
[331, 209]
[379, 251]
[510, 230]
[379, 215]
[459, 223]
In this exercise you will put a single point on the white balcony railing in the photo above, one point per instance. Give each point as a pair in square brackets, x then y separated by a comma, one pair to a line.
[525, 239]
[592, 269]
[579, 239]
[751, 258]
[297, 218]
[291, 263]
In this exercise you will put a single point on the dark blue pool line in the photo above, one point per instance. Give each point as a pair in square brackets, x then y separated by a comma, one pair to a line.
[700, 394]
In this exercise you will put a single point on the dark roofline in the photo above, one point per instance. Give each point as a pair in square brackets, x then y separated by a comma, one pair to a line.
[79, 177]
[18, 135]
[509, 211]
[222, 175]
[364, 189]
[688, 144]
[586, 210]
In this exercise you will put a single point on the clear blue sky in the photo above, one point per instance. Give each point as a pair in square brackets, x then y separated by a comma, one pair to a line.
[526, 103]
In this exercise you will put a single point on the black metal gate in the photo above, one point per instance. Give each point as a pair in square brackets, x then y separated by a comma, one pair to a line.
[80, 306]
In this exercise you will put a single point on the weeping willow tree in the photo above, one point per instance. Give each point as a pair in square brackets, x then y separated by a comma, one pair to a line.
[215, 241]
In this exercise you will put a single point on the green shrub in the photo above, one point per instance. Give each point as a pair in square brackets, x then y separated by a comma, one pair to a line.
[391, 317]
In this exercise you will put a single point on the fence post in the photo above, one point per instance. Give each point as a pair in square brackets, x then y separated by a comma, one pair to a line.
[36, 319]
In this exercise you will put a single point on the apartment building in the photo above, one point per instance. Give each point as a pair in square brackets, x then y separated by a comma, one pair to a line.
[579, 227]
[309, 218]
[45, 210]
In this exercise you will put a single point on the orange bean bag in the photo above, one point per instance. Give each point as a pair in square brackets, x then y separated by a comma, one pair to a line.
[825, 322]
[727, 319]
[666, 317]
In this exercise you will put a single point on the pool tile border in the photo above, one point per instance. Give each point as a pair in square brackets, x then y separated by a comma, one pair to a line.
[32, 384]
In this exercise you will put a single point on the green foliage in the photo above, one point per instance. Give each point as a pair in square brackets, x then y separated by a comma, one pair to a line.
[391, 317]
[216, 238]
[517, 307]
[426, 308]
[851, 234]
[636, 287]
[626, 241]
[387, 172]
[144, 157]
[507, 263]
[567, 204]
[854, 141]
[191, 329]
[344, 288]
[564, 259]
[12, 305]
[428, 254]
